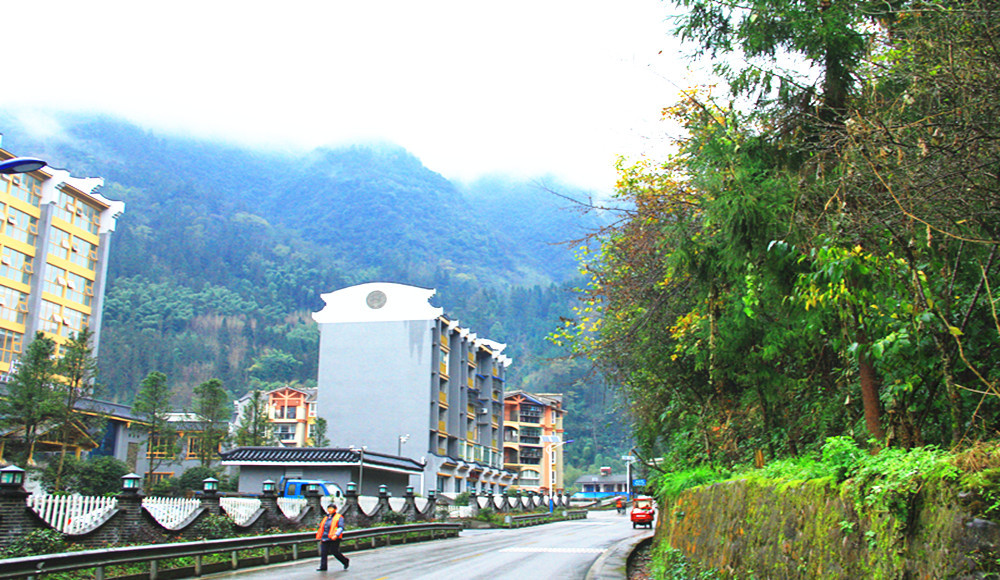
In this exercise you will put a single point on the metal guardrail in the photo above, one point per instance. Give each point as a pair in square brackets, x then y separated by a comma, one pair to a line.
[32, 566]
[517, 521]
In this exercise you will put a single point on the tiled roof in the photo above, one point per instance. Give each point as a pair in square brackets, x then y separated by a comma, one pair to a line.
[116, 410]
[315, 456]
[594, 478]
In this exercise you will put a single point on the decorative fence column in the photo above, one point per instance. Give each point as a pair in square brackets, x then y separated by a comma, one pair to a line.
[383, 506]
[315, 506]
[410, 507]
[209, 497]
[15, 514]
[473, 504]
[352, 509]
[428, 513]
[269, 502]
[130, 508]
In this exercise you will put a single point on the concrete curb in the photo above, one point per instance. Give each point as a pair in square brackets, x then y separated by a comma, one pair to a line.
[613, 563]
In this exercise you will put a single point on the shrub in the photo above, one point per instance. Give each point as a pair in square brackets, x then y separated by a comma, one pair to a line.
[462, 498]
[670, 485]
[214, 527]
[842, 456]
[36, 543]
[394, 519]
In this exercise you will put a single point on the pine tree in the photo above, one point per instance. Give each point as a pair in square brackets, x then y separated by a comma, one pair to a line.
[31, 399]
[152, 403]
[211, 405]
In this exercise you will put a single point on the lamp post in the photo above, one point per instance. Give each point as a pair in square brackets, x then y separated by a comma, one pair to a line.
[361, 468]
[399, 446]
[21, 165]
[552, 447]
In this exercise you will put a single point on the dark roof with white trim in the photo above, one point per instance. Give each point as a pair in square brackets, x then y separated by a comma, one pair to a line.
[316, 456]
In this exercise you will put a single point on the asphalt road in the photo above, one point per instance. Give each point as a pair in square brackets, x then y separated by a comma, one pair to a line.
[563, 550]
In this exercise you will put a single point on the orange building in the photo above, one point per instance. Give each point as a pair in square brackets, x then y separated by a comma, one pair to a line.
[533, 440]
[291, 412]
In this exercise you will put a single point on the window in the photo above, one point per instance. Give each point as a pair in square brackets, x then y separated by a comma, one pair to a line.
[530, 413]
[159, 447]
[21, 226]
[68, 285]
[13, 305]
[10, 345]
[15, 265]
[285, 432]
[290, 412]
[78, 213]
[157, 477]
[194, 447]
[26, 188]
[529, 477]
[59, 243]
[61, 320]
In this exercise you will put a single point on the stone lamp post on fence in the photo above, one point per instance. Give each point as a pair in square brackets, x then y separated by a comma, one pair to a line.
[269, 501]
[130, 505]
[210, 496]
[13, 504]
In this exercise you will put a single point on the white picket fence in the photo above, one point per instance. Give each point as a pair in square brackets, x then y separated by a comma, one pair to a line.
[72, 514]
[170, 511]
[240, 509]
[291, 506]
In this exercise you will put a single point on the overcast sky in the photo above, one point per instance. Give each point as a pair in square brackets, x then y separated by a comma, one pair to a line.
[520, 87]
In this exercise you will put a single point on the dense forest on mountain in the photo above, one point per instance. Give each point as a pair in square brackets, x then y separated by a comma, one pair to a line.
[223, 252]
[824, 262]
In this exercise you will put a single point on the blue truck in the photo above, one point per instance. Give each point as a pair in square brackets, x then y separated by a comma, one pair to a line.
[297, 487]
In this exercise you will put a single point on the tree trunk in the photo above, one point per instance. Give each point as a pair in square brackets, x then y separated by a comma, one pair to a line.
[869, 394]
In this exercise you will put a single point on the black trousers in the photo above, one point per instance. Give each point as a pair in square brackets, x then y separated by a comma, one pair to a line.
[327, 547]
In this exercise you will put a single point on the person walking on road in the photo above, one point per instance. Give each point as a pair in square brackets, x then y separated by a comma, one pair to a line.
[330, 532]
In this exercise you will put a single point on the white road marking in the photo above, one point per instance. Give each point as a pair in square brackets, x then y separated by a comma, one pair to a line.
[557, 550]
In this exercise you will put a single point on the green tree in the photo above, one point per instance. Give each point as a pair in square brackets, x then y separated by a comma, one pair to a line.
[254, 429]
[211, 405]
[319, 438]
[152, 404]
[274, 366]
[77, 370]
[32, 399]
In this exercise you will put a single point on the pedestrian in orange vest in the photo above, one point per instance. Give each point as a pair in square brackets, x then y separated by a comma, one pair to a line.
[330, 532]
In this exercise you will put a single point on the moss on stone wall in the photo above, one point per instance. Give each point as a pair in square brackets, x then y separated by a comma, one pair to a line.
[751, 528]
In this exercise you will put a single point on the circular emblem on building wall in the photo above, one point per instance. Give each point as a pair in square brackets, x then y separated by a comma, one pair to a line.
[375, 299]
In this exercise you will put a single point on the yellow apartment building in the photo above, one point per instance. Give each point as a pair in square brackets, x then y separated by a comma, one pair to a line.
[54, 237]
[533, 440]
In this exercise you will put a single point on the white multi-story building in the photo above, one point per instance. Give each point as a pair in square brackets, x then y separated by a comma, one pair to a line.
[398, 377]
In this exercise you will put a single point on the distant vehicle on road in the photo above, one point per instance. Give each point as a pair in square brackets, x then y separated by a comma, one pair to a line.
[643, 512]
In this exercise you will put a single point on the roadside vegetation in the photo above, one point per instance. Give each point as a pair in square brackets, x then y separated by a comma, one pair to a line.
[808, 285]
[823, 262]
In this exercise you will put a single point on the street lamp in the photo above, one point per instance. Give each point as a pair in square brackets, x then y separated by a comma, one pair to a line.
[552, 441]
[399, 445]
[361, 468]
[21, 165]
